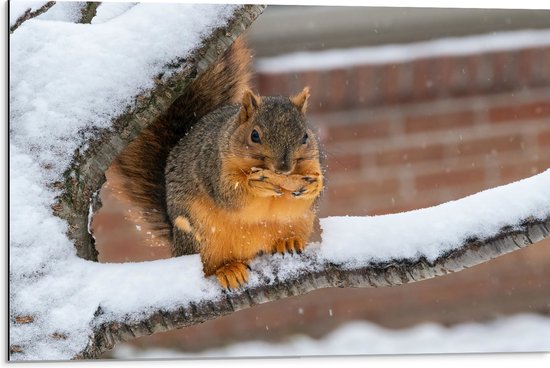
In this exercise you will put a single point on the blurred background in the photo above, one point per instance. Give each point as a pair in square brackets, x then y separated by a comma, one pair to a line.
[414, 107]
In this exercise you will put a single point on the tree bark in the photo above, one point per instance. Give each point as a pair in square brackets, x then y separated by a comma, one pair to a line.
[88, 12]
[392, 273]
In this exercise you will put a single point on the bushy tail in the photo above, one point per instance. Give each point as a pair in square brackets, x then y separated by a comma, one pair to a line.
[140, 167]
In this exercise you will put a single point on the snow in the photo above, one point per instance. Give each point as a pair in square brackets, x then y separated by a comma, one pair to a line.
[67, 80]
[518, 333]
[386, 54]
[109, 10]
[430, 232]
[65, 11]
[87, 76]
[19, 7]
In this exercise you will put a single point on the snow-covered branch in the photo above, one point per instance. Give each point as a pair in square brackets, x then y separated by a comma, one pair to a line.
[78, 96]
[312, 273]
[24, 11]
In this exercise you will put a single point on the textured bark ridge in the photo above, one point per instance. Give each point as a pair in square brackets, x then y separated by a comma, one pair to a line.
[86, 174]
[395, 272]
[88, 12]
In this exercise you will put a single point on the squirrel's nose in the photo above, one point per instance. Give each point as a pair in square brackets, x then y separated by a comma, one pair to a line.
[283, 167]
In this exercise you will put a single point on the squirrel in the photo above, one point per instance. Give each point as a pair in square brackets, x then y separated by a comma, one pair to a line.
[226, 173]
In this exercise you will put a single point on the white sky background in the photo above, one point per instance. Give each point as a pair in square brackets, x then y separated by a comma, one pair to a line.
[59, 279]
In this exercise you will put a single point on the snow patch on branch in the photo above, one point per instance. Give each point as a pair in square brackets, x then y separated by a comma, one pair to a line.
[109, 10]
[67, 79]
[64, 11]
[430, 232]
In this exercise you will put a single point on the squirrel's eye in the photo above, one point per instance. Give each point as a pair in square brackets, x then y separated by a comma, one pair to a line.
[255, 136]
[304, 139]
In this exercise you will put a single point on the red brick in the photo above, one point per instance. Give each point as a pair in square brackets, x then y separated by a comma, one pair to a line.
[514, 172]
[544, 139]
[539, 68]
[423, 79]
[361, 188]
[413, 154]
[456, 75]
[526, 60]
[504, 70]
[390, 86]
[316, 83]
[528, 111]
[449, 179]
[338, 81]
[406, 79]
[378, 85]
[403, 205]
[486, 146]
[544, 76]
[343, 162]
[453, 120]
[366, 91]
[272, 84]
[484, 80]
[445, 74]
[468, 71]
[353, 132]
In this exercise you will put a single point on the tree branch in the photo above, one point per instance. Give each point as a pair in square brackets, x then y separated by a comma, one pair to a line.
[88, 12]
[31, 14]
[391, 273]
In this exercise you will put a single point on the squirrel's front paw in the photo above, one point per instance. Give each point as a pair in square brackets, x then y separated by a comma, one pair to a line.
[312, 186]
[289, 245]
[232, 275]
[260, 184]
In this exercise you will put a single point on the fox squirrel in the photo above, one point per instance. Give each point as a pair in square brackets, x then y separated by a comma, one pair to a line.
[226, 173]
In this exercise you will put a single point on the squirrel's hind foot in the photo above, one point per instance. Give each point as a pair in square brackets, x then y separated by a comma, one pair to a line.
[232, 275]
[289, 245]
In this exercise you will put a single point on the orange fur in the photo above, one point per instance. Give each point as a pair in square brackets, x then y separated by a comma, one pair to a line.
[275, 223]
[229, 236]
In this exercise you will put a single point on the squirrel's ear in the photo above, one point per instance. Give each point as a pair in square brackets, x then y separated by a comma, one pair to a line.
[250, 103]
[300, 100]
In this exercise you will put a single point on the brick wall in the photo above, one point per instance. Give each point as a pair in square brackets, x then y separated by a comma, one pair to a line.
[399, 137]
